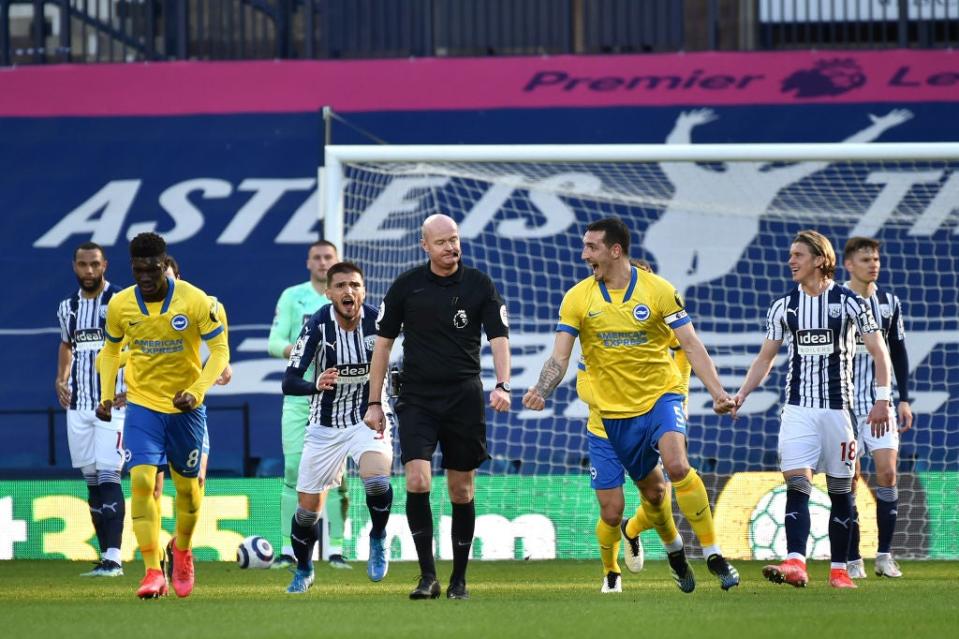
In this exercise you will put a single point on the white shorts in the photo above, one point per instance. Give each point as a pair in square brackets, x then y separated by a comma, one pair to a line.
[818, 438]
[325, 450]
[866, 442]
[94, 442]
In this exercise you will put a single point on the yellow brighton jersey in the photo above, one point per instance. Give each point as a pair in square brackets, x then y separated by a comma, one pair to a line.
[164, 342]
[625, 337]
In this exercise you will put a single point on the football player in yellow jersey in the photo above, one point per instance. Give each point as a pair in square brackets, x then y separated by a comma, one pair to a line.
[164, 322]
[607, 477]
[625, 319]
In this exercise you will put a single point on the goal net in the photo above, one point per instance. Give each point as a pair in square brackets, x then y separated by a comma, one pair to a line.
[716, 221]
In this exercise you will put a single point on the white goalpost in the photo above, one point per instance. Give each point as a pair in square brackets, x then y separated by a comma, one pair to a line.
[716, 221]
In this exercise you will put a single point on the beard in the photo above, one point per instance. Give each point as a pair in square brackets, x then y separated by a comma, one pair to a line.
[90, 285]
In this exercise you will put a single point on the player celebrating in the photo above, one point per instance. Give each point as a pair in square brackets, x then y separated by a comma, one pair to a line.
[607, 477]
[294, 308]
[338, 340]
[95, 447]
[625, 319]
[861, 260]
[816, 434]
[165, 322]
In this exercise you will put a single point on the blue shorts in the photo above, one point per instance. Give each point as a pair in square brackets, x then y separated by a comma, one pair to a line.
[605, 469]
[153, 437]
[636, 439]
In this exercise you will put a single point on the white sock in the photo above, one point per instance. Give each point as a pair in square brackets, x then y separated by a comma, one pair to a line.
[674, 545]
[112, 554]
[711, 550]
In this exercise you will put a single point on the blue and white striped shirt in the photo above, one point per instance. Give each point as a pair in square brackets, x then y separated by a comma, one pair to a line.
[326, 344]
[82, 323]
[887, 310]
[821, 334]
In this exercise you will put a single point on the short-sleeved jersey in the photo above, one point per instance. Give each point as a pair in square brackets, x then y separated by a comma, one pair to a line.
[164, 340]
[821, 332]
[323, 344]
[441, 320]
[82, 322]
[887, 311]
[625, 337]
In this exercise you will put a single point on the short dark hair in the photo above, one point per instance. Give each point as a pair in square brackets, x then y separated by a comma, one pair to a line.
[88, 246]
[858, 243]
[324, 243]
[642, 264]
[343, 267]
[614, 231]
[147, 245]
[172, 263]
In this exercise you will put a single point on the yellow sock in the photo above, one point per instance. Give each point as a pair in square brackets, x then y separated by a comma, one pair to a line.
[159, 516]
[661, 518]
[188, 499]
[694, 502]
[144, 514]
[638, 522]
[609, 538]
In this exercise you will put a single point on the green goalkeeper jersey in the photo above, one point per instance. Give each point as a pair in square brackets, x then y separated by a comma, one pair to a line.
[295, 306]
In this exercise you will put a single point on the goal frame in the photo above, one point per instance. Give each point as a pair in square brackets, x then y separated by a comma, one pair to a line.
[331, 176]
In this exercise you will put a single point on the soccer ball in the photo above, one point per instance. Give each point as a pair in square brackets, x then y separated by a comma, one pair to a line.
[767, 533]
[254, 552]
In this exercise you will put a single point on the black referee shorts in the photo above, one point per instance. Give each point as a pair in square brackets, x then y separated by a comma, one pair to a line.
[452, 415]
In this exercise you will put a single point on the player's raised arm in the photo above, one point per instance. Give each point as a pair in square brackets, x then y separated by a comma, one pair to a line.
[554, 370]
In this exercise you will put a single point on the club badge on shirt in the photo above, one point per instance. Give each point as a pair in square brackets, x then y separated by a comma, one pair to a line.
[460, 320]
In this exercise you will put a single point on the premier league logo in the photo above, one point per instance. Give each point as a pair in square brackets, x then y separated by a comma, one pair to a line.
[826, 78]
[460, 320]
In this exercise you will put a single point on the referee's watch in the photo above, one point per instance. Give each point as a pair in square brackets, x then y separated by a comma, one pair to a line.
[503, 386]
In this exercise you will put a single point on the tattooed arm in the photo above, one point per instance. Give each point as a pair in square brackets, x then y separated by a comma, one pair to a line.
[552, 374]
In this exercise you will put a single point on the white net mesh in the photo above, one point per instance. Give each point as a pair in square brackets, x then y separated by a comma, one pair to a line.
[720, 232]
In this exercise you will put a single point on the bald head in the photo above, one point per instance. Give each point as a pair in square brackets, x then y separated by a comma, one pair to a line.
[441, 241]
[439, 224]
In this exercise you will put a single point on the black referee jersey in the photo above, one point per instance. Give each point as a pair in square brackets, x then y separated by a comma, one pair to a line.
[440, 318]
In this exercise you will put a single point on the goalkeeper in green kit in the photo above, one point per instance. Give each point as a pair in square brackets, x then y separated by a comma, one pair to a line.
[294, 308]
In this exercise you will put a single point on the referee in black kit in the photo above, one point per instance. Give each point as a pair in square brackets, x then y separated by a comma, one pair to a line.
[440, 307]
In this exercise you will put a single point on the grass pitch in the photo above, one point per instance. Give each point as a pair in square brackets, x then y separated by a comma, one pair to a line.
[509, 599]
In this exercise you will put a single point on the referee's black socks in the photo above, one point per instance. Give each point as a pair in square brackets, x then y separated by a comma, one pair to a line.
[461, 532]
[420, 518]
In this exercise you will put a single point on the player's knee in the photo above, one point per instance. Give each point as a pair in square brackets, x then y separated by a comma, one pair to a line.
[309, 501]
[838, 485]
[886, 477]
[374, 464]
[461, 494]
[376, 485]
[677, 469]
[654, 494]
[142, 480]
[611, 515]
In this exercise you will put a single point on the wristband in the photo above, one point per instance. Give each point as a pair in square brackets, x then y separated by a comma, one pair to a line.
[374, 403]
[883, 393]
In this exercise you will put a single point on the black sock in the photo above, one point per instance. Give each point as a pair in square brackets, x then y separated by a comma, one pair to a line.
[420, 518]
[96, 513]
[303, 538]
[797, 522]
[854, 553]
[840, 521]
[887, 510]
[461, 532]
[379, 506]
[112, 510]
